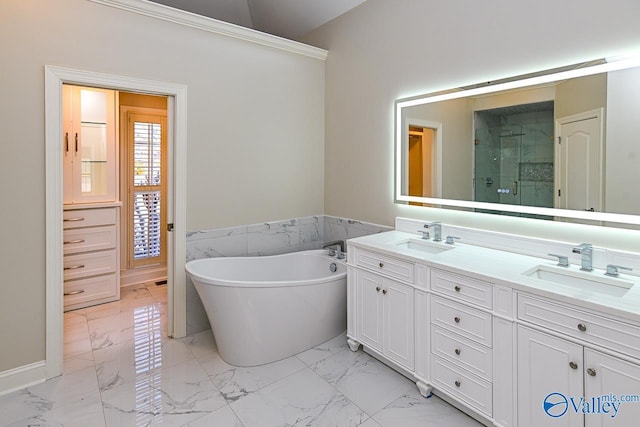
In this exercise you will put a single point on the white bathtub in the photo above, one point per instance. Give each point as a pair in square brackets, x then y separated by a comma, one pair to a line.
[263, 309]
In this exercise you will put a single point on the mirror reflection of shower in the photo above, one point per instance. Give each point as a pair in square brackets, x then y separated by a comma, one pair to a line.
[514, 155]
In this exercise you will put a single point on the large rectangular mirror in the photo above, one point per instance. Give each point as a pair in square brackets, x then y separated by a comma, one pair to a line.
[559, 145]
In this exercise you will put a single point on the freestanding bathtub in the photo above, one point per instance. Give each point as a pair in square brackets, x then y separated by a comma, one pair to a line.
[264, 309]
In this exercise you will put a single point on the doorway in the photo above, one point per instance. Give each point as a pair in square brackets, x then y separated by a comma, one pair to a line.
[55, 77]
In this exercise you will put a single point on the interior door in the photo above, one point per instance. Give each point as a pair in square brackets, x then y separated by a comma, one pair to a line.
[580, 162]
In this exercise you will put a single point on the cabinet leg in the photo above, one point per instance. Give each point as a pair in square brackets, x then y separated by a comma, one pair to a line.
[353, 345]
[425, 390]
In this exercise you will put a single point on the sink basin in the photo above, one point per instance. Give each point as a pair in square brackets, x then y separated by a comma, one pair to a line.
[424, 246]
[594, 281]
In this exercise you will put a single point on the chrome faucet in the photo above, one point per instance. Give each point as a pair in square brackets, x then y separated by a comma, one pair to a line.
[437, 230]
[332, 252]
[586, 251]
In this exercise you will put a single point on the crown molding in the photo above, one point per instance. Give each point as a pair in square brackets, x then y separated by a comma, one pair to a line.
[188, 19]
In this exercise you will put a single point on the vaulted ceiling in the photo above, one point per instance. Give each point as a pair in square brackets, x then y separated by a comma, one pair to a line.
[285, 18]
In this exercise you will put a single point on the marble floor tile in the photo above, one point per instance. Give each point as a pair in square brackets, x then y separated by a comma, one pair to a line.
[223, 417]
[413, 410]
[302, 399]
[324, 350]
[366, 381]
[82, 413]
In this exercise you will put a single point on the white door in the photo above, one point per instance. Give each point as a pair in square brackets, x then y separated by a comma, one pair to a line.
[550, 373]
[608, 381]
[579, 161]
[369, 309]
[398, 322]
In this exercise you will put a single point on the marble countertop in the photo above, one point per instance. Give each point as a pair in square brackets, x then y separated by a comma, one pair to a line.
[507, 268]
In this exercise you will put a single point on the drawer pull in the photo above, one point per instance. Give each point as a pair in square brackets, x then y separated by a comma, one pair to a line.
[582, 327]
[81, 291]
[458, 383]
[457, 351]
[74, 267]
[573, 365]
[591, 372]
[74, 241]
[377, 288]
[457, 288]
[384, 291]
[456, 319]
[73, 219]
[381, 264]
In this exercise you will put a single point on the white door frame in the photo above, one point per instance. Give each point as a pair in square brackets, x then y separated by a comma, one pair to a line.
[176, 256]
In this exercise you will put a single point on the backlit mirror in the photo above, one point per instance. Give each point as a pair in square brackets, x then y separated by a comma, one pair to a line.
[558, 145]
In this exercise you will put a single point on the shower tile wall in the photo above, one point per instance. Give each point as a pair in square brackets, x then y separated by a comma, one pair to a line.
[270, 238]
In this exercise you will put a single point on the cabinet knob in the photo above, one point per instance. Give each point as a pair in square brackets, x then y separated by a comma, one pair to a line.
[457, 288]
[573, 365]
[456, 319]
[377, 288]
[384, 291]
[381, 264]
[457, 383]
[591, 372]
[582, 327]
[457, 351]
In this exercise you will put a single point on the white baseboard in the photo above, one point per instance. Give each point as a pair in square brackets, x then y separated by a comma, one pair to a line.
[22, 376]
[142, 275]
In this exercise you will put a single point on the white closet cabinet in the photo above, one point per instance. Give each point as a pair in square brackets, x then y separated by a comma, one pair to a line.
[89, 145]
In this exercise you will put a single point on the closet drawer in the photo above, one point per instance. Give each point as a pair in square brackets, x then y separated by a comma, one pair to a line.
[462, 352]
[466, 387]
[391, 267]
[88, 217]
[462, 288]
[578, 323]
[89, 239]
[94, 288]
[466, 321]
[89, 264]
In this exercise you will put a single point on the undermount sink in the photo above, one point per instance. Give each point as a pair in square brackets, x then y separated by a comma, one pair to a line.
[594, 281]
[424, 246]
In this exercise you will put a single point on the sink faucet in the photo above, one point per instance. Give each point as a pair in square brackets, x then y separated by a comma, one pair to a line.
[586, 250]
[437, 230]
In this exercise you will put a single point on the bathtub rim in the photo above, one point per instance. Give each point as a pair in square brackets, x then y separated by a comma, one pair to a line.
[212, 281]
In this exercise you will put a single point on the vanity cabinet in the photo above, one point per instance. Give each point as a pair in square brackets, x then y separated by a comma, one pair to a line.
[89, 145]
[91, 260]
[384, 306]
[569, 366]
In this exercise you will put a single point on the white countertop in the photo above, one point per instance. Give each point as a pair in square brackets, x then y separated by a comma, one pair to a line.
[506, 268]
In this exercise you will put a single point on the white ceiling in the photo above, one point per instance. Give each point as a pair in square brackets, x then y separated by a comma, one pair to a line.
[285, 18]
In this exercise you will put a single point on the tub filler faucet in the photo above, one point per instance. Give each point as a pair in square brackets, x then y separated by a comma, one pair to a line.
[340, 254]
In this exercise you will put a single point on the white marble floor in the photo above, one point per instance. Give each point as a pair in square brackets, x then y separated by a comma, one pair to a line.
[120, 369]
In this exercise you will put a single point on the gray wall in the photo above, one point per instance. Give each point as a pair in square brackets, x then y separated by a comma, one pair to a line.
[383, 50]
[255, 132]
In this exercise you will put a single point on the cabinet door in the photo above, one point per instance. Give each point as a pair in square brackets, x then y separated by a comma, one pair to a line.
[398, 323]
[369, 309]
[550, 372]
[612, 390]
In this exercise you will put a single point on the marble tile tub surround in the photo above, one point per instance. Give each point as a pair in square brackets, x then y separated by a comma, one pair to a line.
[131, 374]
[531, 246]
[270, 238]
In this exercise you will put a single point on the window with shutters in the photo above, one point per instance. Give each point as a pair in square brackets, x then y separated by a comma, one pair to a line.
[146, 192]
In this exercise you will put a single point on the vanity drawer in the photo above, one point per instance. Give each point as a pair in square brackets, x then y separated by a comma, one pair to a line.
[89, 239]
[89, 264]
[88, 217]
[466, 321]
[466, 387]
[391, 267]
[462, 352]
[94, 288]
[462, 288]
[580, 324]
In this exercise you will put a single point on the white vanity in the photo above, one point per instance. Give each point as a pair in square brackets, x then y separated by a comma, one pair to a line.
[492, 324]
